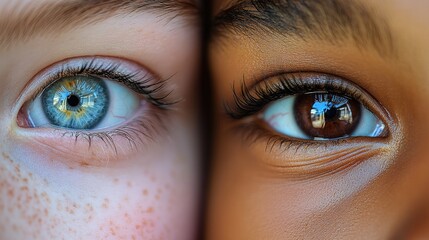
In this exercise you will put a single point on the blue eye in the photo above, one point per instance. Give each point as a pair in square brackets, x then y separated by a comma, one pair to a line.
[322, 116]
[83, 102]
[76, 102]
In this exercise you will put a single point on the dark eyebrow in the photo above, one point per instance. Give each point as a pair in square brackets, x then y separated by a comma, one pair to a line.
[328, 20]
[19, 22]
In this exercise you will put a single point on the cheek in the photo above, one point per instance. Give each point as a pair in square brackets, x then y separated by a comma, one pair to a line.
[151, 200]
[250, 203]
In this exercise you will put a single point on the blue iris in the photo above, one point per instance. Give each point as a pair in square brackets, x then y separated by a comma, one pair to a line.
[78, 102]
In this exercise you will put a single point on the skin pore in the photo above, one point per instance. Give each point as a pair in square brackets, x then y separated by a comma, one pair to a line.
[266, 185]
[53, 185]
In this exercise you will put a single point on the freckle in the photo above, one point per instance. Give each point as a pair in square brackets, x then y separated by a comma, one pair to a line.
[145, 192]
[17, 169]
[116, 180]
[149, 210]
[10, 193]
[89, 208]
[6, 156]
[129, 184]
[84, 164]
[46, 197]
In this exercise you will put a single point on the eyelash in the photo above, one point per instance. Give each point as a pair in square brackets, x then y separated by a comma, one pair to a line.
[141, 85]
[142, 126]
[249, 100]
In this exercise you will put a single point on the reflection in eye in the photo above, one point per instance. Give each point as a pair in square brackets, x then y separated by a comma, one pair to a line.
[82, 102]
[322, 116]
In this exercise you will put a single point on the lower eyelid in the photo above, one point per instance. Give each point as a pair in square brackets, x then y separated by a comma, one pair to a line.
[101, 148]
[305, 159]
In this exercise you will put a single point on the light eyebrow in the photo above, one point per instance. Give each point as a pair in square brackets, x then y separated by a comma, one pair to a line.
[334, 21]
[25, 21]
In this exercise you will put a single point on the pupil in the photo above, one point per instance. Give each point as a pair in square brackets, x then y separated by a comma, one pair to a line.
[73, 100]
[330, 113]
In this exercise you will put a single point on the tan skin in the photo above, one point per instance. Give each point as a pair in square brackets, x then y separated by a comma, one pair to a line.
[59, 187]
[379, 193]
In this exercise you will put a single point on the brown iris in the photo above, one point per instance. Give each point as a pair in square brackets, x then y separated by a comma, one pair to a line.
[326, 115]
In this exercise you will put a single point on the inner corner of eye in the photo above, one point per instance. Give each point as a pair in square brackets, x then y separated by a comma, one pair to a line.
[80, 102]
[322, 116]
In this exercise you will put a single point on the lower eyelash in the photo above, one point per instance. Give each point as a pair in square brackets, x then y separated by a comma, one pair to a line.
[141, 129]
[252, 132]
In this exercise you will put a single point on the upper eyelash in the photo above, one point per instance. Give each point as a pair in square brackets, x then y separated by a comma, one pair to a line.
[250, 100]
[146, 85]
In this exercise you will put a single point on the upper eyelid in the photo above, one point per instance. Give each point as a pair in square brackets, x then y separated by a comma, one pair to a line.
[47, 75]
[87, 62]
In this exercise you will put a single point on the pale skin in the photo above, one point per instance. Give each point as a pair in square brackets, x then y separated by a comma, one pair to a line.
[55, 188]
[382, 195]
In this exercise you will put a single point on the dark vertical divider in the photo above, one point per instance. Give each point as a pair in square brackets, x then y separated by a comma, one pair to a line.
[206, 118]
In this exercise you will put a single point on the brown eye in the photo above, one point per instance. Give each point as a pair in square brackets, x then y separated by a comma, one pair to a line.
[326, 115]
[322, 116]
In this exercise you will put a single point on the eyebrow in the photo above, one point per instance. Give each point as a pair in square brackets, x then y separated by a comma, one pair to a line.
[334, 21]
[19, 22]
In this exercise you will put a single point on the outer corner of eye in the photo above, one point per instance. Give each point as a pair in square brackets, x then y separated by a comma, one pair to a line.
[79, 103]
[322, 116]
